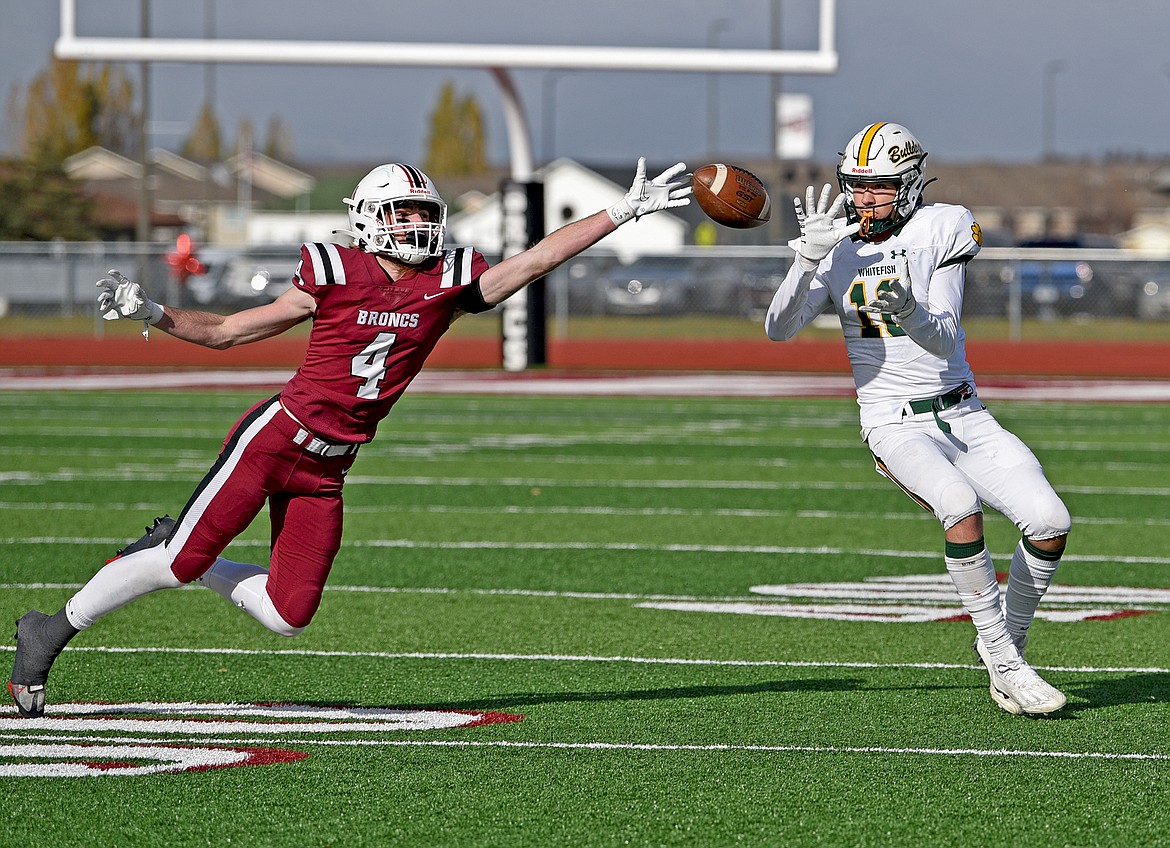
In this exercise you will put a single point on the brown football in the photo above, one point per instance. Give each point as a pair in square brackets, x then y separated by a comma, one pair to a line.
[731, 196]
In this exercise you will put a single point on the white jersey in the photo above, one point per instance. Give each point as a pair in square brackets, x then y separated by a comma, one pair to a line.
[893, 363]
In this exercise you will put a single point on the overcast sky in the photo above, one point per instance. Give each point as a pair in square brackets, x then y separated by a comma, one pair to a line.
[968, 78]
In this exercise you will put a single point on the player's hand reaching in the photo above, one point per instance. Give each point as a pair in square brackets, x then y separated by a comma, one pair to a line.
[666, 191]
[819, 230]
[121, 297]
[895, 298]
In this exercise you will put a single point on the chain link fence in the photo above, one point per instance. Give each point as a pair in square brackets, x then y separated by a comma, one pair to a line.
[1015, 285]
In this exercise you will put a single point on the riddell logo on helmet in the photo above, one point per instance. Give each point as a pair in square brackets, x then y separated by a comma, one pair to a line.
[909, 150]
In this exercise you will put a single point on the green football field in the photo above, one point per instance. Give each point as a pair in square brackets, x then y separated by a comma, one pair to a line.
[586, 621]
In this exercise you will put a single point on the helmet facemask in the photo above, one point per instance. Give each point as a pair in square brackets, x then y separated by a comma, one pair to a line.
[395, 234]
[906, 200]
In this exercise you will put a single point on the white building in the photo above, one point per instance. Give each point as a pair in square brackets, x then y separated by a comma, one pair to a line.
[571, 191]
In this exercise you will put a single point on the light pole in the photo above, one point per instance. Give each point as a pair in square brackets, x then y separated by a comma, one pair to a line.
[1166, 70]
[142, 230]
[713, 29]
[548, 112]
[774, 42]
[1051, 69]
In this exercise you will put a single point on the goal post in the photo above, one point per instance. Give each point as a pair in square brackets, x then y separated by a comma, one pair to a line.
[499, 59]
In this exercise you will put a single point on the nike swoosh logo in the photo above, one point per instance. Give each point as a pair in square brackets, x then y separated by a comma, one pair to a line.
[432, 295]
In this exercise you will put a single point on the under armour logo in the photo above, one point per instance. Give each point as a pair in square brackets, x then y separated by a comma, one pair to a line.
[894, 254]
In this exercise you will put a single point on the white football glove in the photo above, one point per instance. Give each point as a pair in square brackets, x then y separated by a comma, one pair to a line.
[121, 297]
[646, 196]
[896, 300]
[819, 230]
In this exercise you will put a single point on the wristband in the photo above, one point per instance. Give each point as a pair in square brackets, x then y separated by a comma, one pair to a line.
[805, 265]
[620, 212]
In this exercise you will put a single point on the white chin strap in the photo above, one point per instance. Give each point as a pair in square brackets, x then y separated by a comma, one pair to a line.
[410, 254]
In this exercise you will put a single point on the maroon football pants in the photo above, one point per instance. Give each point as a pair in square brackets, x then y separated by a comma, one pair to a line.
[261, 463]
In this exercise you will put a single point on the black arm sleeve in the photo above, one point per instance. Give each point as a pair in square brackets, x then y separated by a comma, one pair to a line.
[471, 299]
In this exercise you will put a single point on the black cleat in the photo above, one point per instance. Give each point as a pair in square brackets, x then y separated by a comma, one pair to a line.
[155, 535]
[30, 670]
[30, 700]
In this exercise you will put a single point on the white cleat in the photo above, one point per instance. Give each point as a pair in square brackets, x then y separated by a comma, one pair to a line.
[1016, 686]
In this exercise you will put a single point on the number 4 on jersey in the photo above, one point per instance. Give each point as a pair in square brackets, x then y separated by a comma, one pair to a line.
[370, 365]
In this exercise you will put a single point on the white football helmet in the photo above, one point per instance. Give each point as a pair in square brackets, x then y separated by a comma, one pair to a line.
[883, 153]
[372, 214]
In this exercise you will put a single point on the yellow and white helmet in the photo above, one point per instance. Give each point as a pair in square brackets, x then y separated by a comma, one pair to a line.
[883, 153]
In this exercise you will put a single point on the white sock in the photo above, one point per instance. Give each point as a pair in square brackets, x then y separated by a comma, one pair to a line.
[246, 586]
[118, 583]
[974, 577]
[1029, 577]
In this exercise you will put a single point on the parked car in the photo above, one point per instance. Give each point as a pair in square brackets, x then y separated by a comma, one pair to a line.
[1052, 287]
[701, 285]
[1153, 297]
[758, 281]
[581, 278]
[650, 285]
[238, 279]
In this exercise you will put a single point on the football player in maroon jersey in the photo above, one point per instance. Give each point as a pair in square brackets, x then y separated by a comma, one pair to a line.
[378, 308]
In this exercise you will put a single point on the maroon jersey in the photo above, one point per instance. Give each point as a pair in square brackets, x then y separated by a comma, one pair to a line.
[371, 335]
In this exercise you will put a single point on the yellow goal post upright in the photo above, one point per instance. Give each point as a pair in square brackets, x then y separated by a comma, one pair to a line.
[518, 348]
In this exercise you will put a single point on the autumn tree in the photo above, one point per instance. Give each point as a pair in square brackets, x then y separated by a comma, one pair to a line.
[204, 143]
[41, 203]
[456, 141]
[71, 106]
[277, 140]
[245, 138]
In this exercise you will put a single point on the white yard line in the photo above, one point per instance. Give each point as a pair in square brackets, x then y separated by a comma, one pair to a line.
[587, 658]
[484, 544]
[731, 384]
[135, 473]
[511, 509]
[610, 746]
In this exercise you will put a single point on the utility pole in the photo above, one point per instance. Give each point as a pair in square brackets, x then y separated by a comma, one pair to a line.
[778, 225]
[1051, 69]
[145, 193]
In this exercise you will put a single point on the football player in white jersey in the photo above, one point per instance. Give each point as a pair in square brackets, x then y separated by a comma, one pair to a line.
[893, 270]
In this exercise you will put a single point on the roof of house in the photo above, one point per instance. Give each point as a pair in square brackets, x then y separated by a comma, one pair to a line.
[1106, 197]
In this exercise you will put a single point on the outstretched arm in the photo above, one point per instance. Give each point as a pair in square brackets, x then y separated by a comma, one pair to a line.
[668, 190]
[120, 297]
[504, 279]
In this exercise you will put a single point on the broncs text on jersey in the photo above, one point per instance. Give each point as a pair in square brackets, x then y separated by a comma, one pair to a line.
[367, 318]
